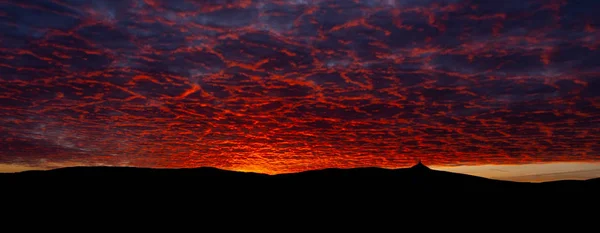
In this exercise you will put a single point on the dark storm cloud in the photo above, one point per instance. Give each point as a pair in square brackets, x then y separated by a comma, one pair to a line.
[278, 84]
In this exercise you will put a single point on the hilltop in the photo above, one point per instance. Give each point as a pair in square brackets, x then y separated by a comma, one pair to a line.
[205, 179]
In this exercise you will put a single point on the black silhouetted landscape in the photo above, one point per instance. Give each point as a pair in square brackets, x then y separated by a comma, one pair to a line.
[202, 180]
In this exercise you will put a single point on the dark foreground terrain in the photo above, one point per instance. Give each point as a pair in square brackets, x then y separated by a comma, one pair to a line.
[210, 180]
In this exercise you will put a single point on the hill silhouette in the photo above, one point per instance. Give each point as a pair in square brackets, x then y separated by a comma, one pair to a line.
[201, 180]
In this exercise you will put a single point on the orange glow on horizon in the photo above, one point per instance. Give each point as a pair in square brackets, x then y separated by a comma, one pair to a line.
[534, 172]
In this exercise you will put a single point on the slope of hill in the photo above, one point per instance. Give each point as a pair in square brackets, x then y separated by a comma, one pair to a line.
[202, 180]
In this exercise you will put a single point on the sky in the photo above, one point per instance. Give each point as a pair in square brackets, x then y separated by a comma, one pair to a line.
[505, 89]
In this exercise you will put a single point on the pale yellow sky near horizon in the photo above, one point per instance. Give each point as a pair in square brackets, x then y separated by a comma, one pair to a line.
[538, 172]
[535, 172]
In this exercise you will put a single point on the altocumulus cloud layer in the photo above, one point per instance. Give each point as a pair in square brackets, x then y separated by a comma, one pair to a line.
[289, 85]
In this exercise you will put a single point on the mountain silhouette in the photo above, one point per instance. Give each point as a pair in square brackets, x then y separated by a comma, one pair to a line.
[417, 178]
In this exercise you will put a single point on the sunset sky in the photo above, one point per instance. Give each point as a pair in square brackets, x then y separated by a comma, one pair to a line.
[506, 89]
